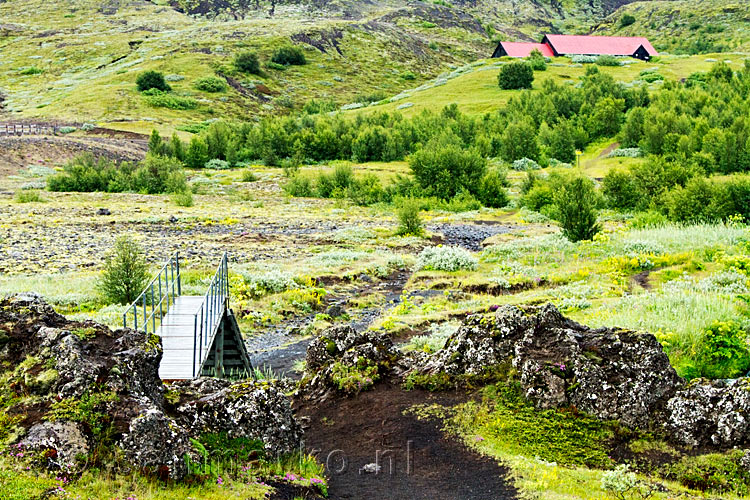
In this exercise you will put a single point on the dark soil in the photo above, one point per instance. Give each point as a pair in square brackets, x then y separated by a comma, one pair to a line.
[641, 279]
[418, 460]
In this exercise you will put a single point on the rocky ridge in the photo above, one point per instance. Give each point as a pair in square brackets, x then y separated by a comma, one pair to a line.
[74, 387]
[611, 373]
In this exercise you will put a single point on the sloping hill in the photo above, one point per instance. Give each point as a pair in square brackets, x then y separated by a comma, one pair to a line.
[77, 60]
[685, 26]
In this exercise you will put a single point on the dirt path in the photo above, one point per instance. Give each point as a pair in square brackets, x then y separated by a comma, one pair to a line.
[418, 461]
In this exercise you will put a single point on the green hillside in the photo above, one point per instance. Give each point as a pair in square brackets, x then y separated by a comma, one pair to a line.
[684, 26]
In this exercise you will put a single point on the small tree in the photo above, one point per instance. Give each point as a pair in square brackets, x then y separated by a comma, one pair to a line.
[516, 75]
[125, 273]
[247, 62]
[155, 143]
[576, 203]
[409, 221]
[152, 80]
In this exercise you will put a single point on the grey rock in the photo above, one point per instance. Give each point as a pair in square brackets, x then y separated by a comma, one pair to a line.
[156, 443]
[344, 345]
[610, 373]
[707, 413]
[61, 442]
[253, 409]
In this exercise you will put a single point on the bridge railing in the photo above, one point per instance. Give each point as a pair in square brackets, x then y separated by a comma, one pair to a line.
[210, 314]
[146, 312]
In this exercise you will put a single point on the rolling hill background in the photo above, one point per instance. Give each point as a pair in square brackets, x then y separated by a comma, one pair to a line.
[76, 61]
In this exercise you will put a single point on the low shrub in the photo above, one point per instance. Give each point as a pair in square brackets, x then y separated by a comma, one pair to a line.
[626, 20]
[576, 205]
[537, 60]
[516, 75]
[211, 84]
[608, 60]
[723, 352]
[525, 164]
[492, 191]
[31, 70]
[446, 259]
[247, 62]
[217, 164]
[299, 186]
[289, 55]
[160, 99]
[716, 472]
[409, 222]
[248, 176]
[155, 174]
[152, 80]
[277, 67]
[183, 198]
[28, 196]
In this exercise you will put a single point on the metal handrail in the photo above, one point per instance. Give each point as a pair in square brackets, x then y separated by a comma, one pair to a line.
[210, 313]
[169, 290]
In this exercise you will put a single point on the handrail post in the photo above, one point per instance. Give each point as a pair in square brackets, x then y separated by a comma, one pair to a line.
[153, 309]
[161, 299]
[195, 340]
[177, 263]
[145, 320]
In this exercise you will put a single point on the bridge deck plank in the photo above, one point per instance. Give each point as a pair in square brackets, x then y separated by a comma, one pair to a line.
[176, 332]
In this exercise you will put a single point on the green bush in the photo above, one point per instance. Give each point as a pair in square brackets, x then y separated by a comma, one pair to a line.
[159, 99]
[249, 176]
[31, 70]
[299, 186]
[366, 190]
[537, 60]
[445, 169]
[723, 352]
[608, 60]
[289, 55]
[152, 80]
[28, 196]
[277, 67]
[715, 472]
[247, 62]
[155, 174]
[409, 222]
[211, 84]
[492, 192]
[619, 189]
[197, 153]
[626, 20]
[125, 273]
[516, 75]
[183, 199]
[576, 202]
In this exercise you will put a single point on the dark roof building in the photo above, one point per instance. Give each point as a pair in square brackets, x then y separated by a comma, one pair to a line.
[570, 45]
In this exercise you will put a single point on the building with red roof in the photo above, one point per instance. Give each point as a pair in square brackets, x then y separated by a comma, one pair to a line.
[521, 49]
[570, 45]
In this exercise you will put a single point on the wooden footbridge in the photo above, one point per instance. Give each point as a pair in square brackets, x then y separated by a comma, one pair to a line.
[200, 336]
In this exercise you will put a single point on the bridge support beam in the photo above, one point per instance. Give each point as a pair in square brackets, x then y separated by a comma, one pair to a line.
[219, 352]
[228, 357]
